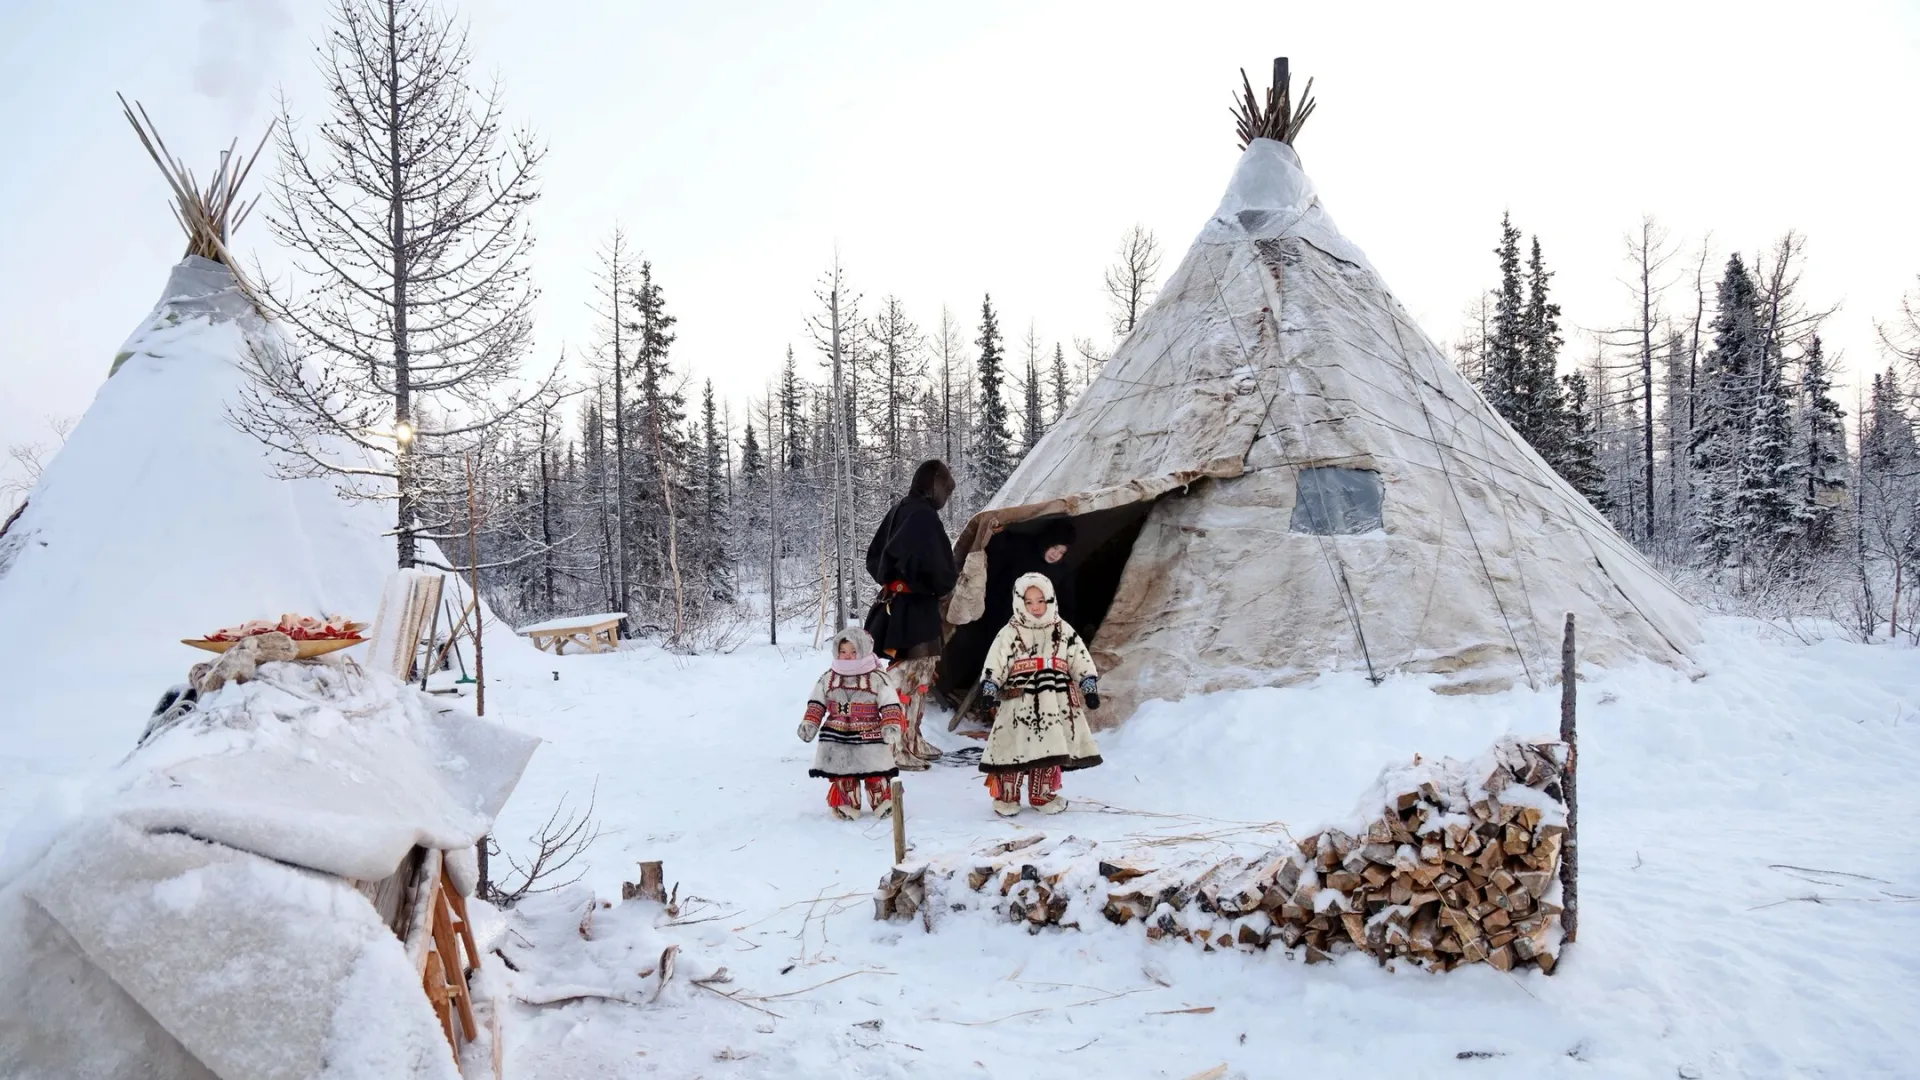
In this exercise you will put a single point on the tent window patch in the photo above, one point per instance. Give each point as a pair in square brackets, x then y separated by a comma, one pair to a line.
[1336, 501]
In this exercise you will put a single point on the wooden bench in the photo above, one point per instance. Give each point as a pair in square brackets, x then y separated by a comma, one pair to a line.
[595, 633]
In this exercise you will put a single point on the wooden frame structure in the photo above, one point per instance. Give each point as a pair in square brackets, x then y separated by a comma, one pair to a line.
[594, 633]
[424, 908]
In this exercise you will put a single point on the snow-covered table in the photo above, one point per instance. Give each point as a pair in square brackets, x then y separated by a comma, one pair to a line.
[595, 633]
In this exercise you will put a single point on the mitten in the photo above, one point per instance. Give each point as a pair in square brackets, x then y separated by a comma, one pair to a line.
[990, 693]
[808, 730]
[890, 734]
[1090, 689]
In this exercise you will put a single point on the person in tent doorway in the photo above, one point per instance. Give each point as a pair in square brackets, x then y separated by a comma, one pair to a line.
[1043, 552]
[856, 715]
[1039, 681]
[1010, 554]
[911, 559]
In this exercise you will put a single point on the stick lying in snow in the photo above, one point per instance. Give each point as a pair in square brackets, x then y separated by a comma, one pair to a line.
[578, 995]
[737, 1001]
[816, 986]
[1050, 1008]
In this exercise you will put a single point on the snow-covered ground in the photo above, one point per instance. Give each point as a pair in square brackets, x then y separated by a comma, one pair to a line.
[1713, 814]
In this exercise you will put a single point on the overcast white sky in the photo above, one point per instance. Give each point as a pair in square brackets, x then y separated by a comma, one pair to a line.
[954, 149]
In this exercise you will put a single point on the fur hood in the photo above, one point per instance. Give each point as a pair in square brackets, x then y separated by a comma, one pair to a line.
[1020, 615]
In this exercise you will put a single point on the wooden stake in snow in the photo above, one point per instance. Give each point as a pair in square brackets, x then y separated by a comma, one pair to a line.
[1570, 853]
[479, 659]
[899, 822]
[473, 586]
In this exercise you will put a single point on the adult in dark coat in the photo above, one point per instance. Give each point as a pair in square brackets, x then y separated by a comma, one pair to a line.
[911, 560]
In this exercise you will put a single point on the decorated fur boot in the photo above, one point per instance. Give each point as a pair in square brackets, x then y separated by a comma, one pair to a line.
[880, 794]
[843, 798]
[1043, 790]
[1005, 789]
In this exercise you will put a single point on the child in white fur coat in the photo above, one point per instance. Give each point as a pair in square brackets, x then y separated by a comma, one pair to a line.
[1040, 680]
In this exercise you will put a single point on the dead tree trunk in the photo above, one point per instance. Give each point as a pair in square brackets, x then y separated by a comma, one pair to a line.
[1570, 857]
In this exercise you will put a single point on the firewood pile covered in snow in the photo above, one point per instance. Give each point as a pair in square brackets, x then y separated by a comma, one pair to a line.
[1459, 863]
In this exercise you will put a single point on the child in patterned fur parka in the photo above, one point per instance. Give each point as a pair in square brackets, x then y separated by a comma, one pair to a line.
[855, 713]
[1040, 681]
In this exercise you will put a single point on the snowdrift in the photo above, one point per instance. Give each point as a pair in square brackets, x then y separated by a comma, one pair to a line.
[201, 918]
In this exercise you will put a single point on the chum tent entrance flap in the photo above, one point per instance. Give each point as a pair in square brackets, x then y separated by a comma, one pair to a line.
[968, 599]
[1102, 543]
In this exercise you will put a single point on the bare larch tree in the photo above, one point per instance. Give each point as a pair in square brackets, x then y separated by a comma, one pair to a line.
[1130, 278]
[406, 218]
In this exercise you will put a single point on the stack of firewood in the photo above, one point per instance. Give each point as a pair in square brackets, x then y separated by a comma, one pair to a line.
[1460, 866]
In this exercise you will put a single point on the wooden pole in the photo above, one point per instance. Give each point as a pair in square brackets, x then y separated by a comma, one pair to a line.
[899, 822]
[1570, 856]
[473, 586]
[483, 887]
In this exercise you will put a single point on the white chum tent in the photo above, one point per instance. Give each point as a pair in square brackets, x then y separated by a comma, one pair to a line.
[160, 520]
[1277, 474]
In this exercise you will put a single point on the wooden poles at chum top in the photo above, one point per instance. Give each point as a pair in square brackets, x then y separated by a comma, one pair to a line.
[1570, 853]
[1276, 117]
[208, 214]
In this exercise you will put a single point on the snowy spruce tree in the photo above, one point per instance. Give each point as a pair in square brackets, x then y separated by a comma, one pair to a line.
[1580, 445]
[992, 436]
[1723, 420]
[1033, 417]
[716, 529]
[1504, 361]
[1823, 450]
[662, 504]
[1887, 502]
[1550, 418]
[1676, 411]
[1767, 499]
